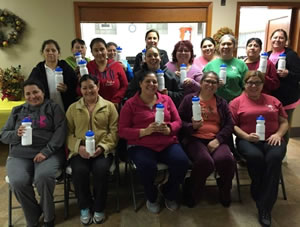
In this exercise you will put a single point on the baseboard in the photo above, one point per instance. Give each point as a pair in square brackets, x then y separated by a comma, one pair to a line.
[295, 132]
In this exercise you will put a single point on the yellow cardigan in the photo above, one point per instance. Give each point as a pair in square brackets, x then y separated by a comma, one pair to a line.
[103, 122]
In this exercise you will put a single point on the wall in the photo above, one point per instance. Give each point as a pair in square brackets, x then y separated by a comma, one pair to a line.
[55, 19]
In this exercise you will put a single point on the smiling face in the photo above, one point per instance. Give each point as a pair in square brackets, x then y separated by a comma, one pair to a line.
[208, 49]
[50, 53]
[79, 48]
[209, 84]
[89, 90]
[34, 96]
[111, 52]
[152, 59]
[253, 50]
[253, 87]
[99, 51]
[278, 41]
[183, 55]
[226, 48]
[151, 40]
[149, 85]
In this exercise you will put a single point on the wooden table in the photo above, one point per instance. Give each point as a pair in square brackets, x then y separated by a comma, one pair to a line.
[5, 109]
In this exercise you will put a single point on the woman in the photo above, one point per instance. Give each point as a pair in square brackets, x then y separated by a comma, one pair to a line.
[91, 112]
[150, 142]
[110, 74]
[207, 140]
[152, 63]
[112, 54]
[263, 157]
[235, 70]
[253, 49]
[151, 39]
[288, 91]
[77, 45]
[65, 93]
[183, 53]
[208, 48]
[37, 163]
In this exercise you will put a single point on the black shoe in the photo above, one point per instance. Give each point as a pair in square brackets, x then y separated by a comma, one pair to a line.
[49, 223]
[188, 199]
[264, 217]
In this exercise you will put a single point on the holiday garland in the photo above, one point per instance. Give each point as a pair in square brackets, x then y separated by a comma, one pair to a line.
[13, 24]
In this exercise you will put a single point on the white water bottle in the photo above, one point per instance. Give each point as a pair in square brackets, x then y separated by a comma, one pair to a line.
[263, 62]
[82, 67]
[222, 74]
[26, 139]
[281, 62]
[196, 108]
[119, 53]
[143, 55]
[160, 79]
[159, 115]
[78, 57]
[59, 76]
[90, 142]
[260, 127]
[182, 73]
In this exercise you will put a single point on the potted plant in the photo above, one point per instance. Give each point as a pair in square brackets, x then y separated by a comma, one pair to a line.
[11, 80]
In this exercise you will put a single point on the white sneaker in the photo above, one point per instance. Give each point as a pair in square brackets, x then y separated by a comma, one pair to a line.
[171, 205]
[99, 217]
[85, 216]
[153, 207]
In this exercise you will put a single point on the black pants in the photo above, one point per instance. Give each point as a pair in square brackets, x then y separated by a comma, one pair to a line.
[264, 167]
[81, 169]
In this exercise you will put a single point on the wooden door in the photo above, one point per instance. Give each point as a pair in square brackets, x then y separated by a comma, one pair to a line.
[295, 31]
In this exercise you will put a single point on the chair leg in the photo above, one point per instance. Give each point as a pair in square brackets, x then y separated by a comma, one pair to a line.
[66, 192]
[117, 173]
[283, 187]
[132, 187]
[238, 183]
[9, 207]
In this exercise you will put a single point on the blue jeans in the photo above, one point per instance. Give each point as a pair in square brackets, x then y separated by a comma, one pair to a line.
[146, 161]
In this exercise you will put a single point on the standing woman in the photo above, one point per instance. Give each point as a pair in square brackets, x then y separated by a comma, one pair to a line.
[208, 48]
[151, 39]
[183, 53]
[111, 76]
[288, 91]
[253, 49]
[65, 93]
[77, 45]
[235, 70]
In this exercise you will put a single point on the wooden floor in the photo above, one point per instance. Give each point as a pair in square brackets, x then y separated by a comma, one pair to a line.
[208, 212]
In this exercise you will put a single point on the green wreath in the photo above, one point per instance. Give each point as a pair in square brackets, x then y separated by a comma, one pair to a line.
[11, 28]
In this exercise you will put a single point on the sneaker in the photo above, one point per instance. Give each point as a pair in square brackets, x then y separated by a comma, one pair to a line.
[98, 218]
[171, 205]
[85, 216]
[49, 223]
[153, 207]
[264, 217]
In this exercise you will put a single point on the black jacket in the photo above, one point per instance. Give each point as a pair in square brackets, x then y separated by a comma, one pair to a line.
[70, 79]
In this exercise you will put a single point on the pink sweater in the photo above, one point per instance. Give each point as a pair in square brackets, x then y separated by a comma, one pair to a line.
[136, 115]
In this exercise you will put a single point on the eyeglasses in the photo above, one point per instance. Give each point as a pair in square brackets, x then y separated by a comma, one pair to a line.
[213, 82]
[256, 83]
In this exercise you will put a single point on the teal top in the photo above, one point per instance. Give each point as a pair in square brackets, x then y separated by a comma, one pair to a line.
[235, 71]
[72, 61]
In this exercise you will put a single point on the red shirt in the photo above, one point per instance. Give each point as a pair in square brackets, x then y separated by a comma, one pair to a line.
[245, 111]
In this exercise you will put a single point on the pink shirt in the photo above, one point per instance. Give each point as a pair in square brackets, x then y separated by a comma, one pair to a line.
[245, 111]
[274, 56]
[136, 115]
[200, 62]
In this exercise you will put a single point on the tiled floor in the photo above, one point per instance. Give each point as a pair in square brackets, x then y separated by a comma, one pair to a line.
[207, 213]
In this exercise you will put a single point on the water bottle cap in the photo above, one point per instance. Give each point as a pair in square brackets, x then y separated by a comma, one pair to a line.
[77, 54]
[282, 55]
[260, 118]
[195, 99]
[159, 71]
[89, 133]
[182, 65]
[264, 54]
[27, 120]
[144, 51]
[160, 106]
[223, 65]
[82, 62]
[119, 48]
[58, 69]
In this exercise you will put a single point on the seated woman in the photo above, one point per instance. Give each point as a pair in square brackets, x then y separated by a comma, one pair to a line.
[112, 54]
[91, 112]
[183, 53]
[37, 163]
[208, 49]
[264, 156]
[207, 140]
[110, 74]
[153, 60]
[77, 45]
[64, 94]
[150, 142]
[151, 39]
[253, 49]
